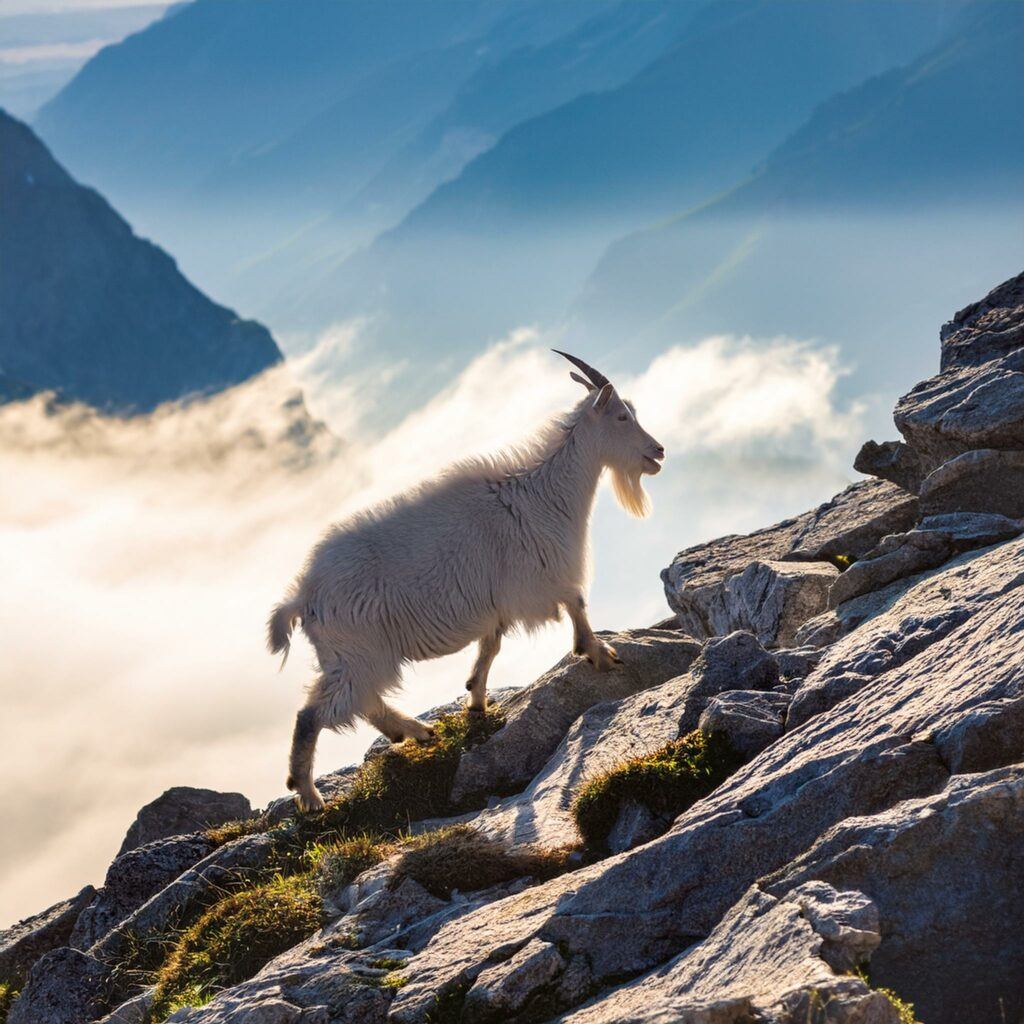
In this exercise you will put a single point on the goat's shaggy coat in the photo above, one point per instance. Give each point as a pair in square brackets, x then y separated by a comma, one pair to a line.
[491, 544]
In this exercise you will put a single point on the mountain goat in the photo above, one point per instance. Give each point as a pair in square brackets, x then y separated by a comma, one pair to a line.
[491, 544]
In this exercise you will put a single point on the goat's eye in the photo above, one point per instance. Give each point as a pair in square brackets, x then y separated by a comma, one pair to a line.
[623, 418]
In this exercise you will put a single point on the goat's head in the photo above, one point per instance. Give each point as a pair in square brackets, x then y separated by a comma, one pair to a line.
[627, 450]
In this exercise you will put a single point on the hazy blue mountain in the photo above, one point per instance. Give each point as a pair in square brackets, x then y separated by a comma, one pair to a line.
[385, 121]
[228, 128]
[215, 78]
[41, 51]
[511, 238]
[94, 312]
[891, 199]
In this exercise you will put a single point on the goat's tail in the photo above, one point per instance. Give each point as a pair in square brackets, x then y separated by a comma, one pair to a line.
[280, 625]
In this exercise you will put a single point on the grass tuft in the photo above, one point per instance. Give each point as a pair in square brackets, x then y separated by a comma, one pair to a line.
[902, 1007]
[236, 938]
[407, 782]
[460, 857]
[8, 993]
[667, 782]
[339, 864]
[220, 835]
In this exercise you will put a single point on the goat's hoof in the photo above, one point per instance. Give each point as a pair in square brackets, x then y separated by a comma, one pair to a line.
[309, 803]
[604, 658]
[475, 712]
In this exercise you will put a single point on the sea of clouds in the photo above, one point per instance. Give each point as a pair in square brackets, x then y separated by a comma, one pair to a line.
[141, 556]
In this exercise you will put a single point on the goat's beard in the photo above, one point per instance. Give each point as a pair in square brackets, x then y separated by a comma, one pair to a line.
[629, 492]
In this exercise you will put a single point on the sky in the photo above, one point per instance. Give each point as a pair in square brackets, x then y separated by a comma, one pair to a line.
[142, 558]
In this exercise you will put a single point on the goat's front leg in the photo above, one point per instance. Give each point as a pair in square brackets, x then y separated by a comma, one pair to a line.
[601, 655]
[477, 683]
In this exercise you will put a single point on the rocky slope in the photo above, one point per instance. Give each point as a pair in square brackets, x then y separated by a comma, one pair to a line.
[96, 313]
[800, 799]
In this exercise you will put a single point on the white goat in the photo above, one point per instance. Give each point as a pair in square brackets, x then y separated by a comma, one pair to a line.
[491, 544]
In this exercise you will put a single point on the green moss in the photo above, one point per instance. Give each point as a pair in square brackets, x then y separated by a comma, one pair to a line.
[460, 857]
[388, 963]
[8, 993]
[234, 939]
[843, 562]
[667, 781]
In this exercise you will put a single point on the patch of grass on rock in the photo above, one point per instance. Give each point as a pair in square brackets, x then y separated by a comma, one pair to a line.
[904, 1009]
[8, 993]
[667, 782]
[339, 864]
[234, 939]
[460, 857]
[407, 782]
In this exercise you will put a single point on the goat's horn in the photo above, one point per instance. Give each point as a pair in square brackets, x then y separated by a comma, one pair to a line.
[599, 379]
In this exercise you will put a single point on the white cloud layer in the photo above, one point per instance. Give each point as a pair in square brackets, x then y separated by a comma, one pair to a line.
[140, 559]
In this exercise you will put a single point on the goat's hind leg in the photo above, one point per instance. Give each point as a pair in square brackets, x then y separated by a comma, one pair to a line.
[300, 763]
[396, 725]
[477, 683]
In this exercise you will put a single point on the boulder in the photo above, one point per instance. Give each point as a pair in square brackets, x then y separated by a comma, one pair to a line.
[132, 1011]
[225, 865]
[797, 662]
[635, 910]
[978, 481]
[899, 555]
[24, 943]
[923, 614]
[849, 525]
[893, 461]
[183, 810]
[502, 991]
[965, 408]
[317, 982]
[774, 599]
[387, 911]
[635, 824]
[934, 542]
[613, 731]
[750, 719]
[537, 716]
[64, 987]
[986, 330]
[770, 959]
[944, 873]
[132, 879]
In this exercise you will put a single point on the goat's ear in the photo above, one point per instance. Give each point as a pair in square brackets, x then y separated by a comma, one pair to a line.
[603, 398]
[581, 380]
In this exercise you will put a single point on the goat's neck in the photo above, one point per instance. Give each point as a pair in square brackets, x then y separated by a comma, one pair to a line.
[566, 481]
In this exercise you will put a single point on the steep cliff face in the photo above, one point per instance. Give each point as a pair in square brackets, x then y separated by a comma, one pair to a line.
[95, 313]
[799, 799]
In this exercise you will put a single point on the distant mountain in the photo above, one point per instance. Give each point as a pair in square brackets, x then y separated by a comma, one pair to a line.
[95, 313]
[911, 184]
[511, 238]
[368, 129]
[40, 51]
[256, 120]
